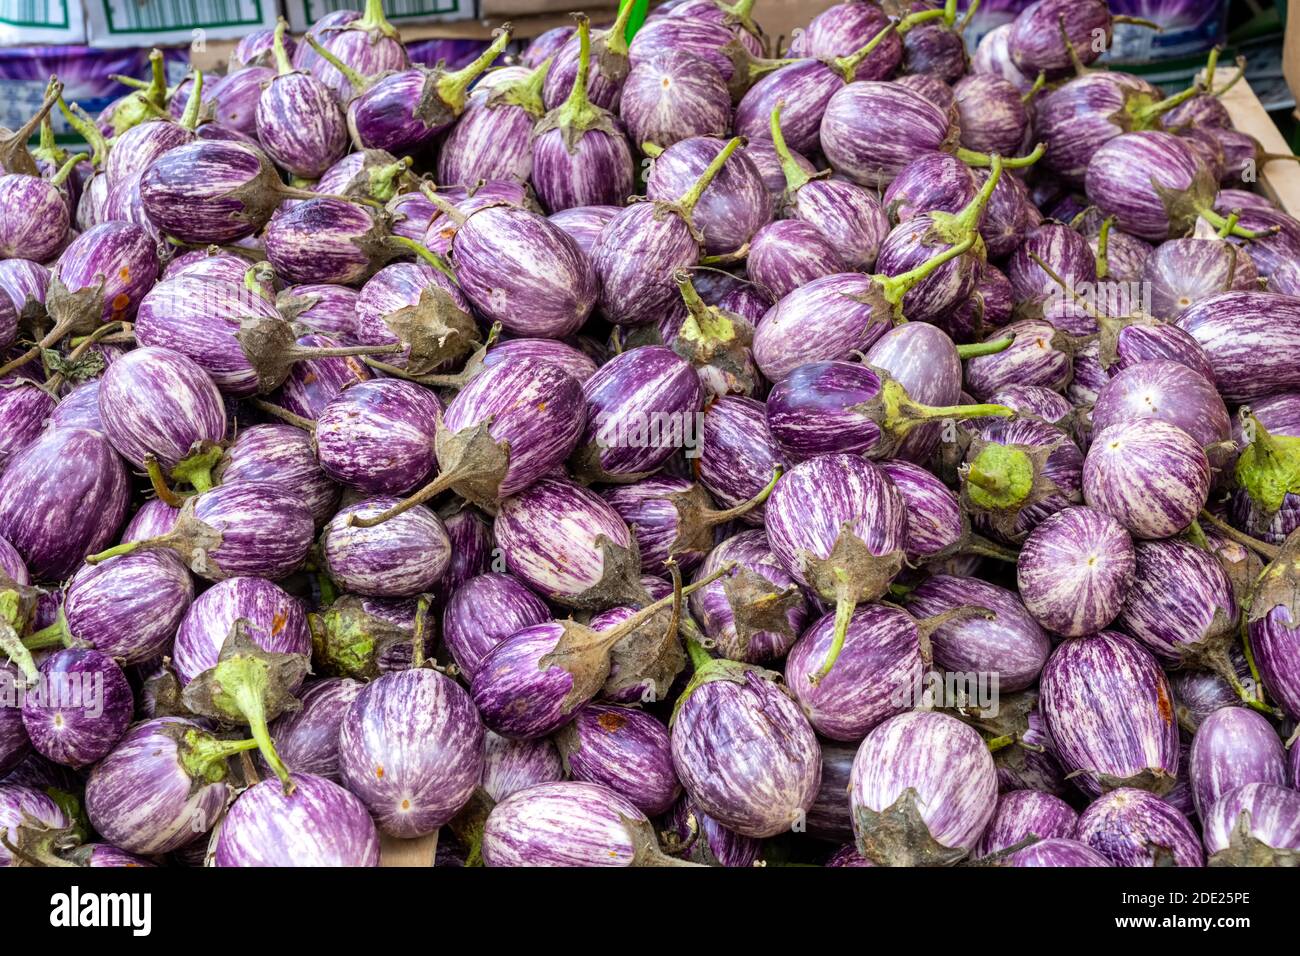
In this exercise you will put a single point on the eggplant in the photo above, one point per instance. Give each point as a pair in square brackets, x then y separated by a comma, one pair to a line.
[1027, 813]
[790, 253]
[24, 409]
[299, 124]
[23, 810]
[624, 749]
[923, 789]
[607, 73]
[419, 307]
[1273, 637]
[992, 113]
[79, 709]
[1233, 747]
[513, 765]
[1136, 828]
[1245, 335]
[731, 210]
[308, 739]
[1110, 713]
[366, 44]
[1150, 475]
[1255, 825]
[1050, 36]
[584, 224]
[483, 612]
[378, 436]
[674, 97]
[871, 130]
[1057, 852]
[403, 556]
[1169, 392]
[494, 136]
[280, 455]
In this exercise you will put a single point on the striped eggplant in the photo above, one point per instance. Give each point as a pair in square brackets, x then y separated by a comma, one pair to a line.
[24, 809]
[473, 549]
[513, 765]
[1246, 336]
[34, 216]
[404, 111]
[933, 181]
[1263, 503]
[1075, 571]
[641, 249]
[366, 43]
[673, 519]
[826, 408]
[1150, 475]
[571, 823]
[755, 612]
[839, 527]
[127, 608]
[1274, 637]
[871, 130]
[1181, 607]
[737, 456]
[830, 817]
[731, 210]
[592, 564]
[545, 45]
[24, 408]
[411, 748]
[580, 151]
[845, 27]
[936, 524]
[1083, 114]
[1254, 825]
[1049, 35]
[420, 307]
[737, 59]
[878, 672]
[1066, 253]
[327, 240]
[922, 359]
[79, 708]
[79, 408]
[153, 518]
[696, 836]
[742, 749]
[608, 70]
[255, 49]
[1182, 272]
[14, 745]
[378, 436]
[642, 406]
[494, 136]
[522, 270]
[1006, 641]
[404, 556]
[922, 790]
[1136, 828]
[992, 115]
[284, 456]
[276, 621]
[308, 739]
[1110, 714]
[1277, 234]
[1009, 217]
[241, 528]
[157, 404]
[763, 154]
[674, 97]
[624, 749]
[1038, 355]
[1199, 693]
[213, 191]
[1027, 813]
[1030, 763]
[584, 224]
[790, 253]
[993, 56]
[318, 824]
[162, 787]
[1232, 747]
[299, 124]
[1171, 392]
[513, 423]
[483, 612]
[373, 174]
[1057, 852]
[61, 498]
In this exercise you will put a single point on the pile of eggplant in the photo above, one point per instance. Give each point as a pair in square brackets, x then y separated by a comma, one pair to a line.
[651, 451]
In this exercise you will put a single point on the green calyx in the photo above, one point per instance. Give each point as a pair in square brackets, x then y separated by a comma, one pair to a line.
[985, 160]
[703, 325]
[1143, 113]
[374, 21]
[1000, 478]
[527, 92]
[453, 87]
[14, 613]
[190, 118]
[383, 179]
[894, 288]
[50, 636]
[1269, 467]
[614, 40]
[149, 101]
[204, 756]
[897, 414]
[952, 228]
[196, 469]
[87, 129]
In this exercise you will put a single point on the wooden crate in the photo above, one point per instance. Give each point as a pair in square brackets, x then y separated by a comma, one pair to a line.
[1279, 181]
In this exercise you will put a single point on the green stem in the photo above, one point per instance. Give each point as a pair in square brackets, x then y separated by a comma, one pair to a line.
[66, 169]
[1241, 73]
[968, 219]
[1262, 548]
[190, 118]
[972, 158]
[427, 254]
[983, 548]
[615, 37]
[1221, 223]
[699, 656]
[1212, 64]
[970, 15]
[430, 491]
[614, 634]
[204, 756]
[1228, 225]
[357, 81]
[729, 514]
[85, 127]
[53, 635]
[844, 608]
[926, 413]
[976, 349]
[1137, 22]
[687, 203]
[374, 19]
[417, 638]
[49, 148]
[847, 66]
[1146, 116]
[577, 111]
[895, 287]
[916, 19]
[258, 277]
[11, 644]
[1039, 82]
[126, 547]
[452, 87]
[998, 743]
[1103, 247]
[282, 63]
[796, 177]
[248, 697]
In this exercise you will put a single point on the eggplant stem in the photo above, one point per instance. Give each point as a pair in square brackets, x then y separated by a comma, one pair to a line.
[1137, 22]
[1079, 68]
[1103, 247]
[80, 348]
[692, 196]
[1220, 222]
[247, 696]
[1262, 548]
[11, 644]
[916, 19]
[159, 483]
[1241, 73]
[357, 81]
[844, 608]
[52, 635]
[981, 160]
[847, 66]
[306, 424]
[983, 548]
[616, 633]
[190, 118]
[998, 743]
[1065, 287]
[1233, 218]
[428, 492]
[417, 637]
[699, 656]
[452, 86]
[1039, 82]
[977, 349]
[427, 254]
[721, 517]
[896, 287]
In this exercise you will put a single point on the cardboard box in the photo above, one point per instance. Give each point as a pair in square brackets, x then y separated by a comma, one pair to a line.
[145, 23]
[32, 22]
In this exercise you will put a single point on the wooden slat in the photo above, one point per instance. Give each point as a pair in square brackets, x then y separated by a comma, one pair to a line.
[419, 852]
[1279, 181]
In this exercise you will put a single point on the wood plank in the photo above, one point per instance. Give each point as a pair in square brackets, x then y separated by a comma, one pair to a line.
[419, 852]
[1279, 181]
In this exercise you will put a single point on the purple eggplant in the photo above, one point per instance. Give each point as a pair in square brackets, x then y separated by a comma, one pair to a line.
[163, 786]
[1263, 504]
[299, 124]
[731, 210]
[877, 675]
[378, 436]
[845, 27]
[1254, 825]
[1150, 475]
[1170, 392]
[839, 526]
[485, 611]
[280, 455]
[241, 528]
[155, 517]
[308, 739]
[1182, 272]
[570, 823]
[1007, 642]
[157, 404]
[1246, 336]
[318, 824]
[411, 748]
[580, 152]
[276, 621]
[1034, 401]
[1136, 828]
[366, 43]
[756, 611]
[742, 749]
[79, 408]
[1057, 852]
[584, 224]
[24, 809]
[923, 360]
[790, 253]
[80, 707]
[936, 525]
[623, 749]
[1050, 36]
[14, 745]
[606, 74]
[513, 765]
[1274, 637]
[992, 56]
[674, 97]
[1234, 746]
[1027, 813]
[1110, 714]
[493, 139]
[402, 557]
[327, 240]
[842, 407]
[735, 55]
[1075, 570]
[34, 215]
[696, 836]
[923, 789]
[641, 249]
[24, 408]
[993, 116]
[421, 308]
[871, 130]
[737, 456]
[61, 498]
[931, 182]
